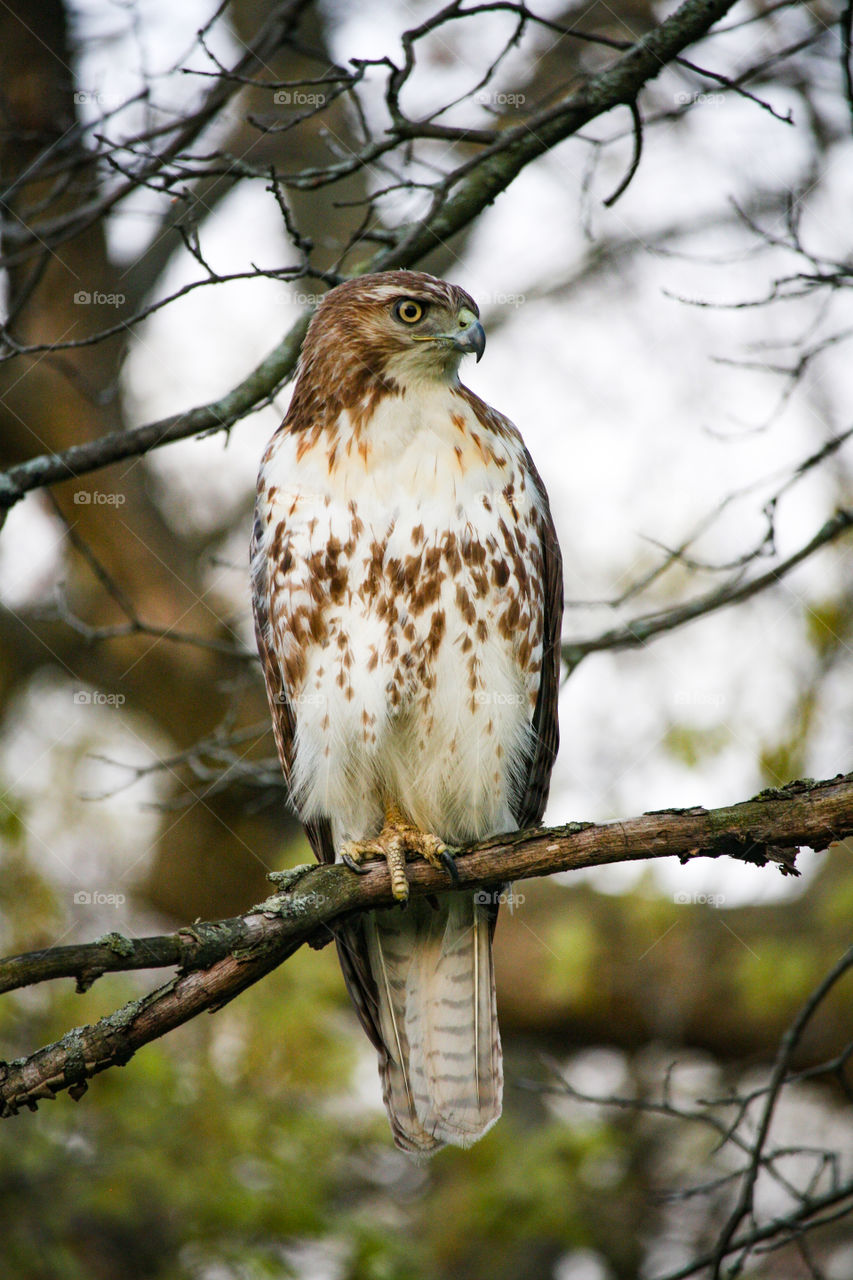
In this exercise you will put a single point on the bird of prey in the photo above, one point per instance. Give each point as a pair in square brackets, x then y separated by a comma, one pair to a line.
[407, 590]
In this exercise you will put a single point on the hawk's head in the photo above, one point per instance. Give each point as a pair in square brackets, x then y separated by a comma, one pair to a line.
[396, 326]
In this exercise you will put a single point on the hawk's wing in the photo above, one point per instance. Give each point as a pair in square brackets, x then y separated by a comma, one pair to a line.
[351, 953]
[283, 723]
[531, 804]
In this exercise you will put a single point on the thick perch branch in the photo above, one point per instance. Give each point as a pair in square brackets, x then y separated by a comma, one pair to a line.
[237, 952]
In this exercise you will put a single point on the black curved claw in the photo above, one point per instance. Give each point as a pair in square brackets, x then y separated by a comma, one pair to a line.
[353, 866]
[449, 864]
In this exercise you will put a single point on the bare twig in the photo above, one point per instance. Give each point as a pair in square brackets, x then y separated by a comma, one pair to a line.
[787, 1045]
[642, 629]
[458, 198]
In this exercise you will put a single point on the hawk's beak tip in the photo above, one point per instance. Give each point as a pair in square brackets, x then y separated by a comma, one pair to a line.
[472, 341]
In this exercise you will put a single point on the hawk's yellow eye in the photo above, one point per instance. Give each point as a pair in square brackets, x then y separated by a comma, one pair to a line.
[409, 311]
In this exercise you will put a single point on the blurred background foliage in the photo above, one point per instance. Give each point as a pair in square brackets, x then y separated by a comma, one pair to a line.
[253, 1143]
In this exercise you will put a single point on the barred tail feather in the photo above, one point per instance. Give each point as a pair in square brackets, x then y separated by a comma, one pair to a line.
[441, 1071]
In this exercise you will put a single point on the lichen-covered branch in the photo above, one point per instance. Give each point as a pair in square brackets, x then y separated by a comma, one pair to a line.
[218, 960]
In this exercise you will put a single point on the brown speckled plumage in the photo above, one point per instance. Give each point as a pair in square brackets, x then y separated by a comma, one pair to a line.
[408, 598]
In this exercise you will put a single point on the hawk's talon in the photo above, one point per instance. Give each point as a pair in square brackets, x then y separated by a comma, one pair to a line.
[397, 842]
[353, 866]
[448, 861]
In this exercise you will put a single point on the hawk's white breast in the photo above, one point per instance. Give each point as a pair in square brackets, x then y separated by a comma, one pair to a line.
[406, 613]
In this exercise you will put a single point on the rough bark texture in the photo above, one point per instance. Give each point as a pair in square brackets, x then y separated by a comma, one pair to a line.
[768, 828]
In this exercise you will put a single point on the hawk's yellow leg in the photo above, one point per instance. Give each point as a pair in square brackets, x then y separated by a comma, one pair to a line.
[397, 841]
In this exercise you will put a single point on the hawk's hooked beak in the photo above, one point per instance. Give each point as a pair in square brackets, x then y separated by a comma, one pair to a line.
[470, 339]
[469, 336]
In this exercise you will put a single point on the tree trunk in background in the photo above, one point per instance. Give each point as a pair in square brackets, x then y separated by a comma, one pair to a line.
[212, 856]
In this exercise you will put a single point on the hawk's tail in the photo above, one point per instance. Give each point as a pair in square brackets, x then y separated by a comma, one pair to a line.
[442, 1073]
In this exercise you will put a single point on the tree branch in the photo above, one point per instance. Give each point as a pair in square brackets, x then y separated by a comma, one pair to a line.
[477, 183]
[274, 32]
[220, 959]
[261, 384]
[492, 171]
[788, 1043]
[640, 630]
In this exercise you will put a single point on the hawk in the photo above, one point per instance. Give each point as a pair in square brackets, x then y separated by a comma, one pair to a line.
[407, 590]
